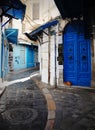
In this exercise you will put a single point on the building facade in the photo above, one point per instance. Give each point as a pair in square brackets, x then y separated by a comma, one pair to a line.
[66, 57]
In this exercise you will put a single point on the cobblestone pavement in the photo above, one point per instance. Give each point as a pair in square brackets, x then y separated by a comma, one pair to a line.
[20, 74]
[23, 106]
[75, 109]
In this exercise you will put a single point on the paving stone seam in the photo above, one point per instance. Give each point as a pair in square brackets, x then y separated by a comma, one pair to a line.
[51, 106]
[2, 90]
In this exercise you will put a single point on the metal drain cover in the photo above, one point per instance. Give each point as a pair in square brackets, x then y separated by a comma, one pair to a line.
[20, 115]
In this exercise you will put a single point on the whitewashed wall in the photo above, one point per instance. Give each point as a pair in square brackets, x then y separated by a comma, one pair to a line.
[45, 66]
[52, 60]
[54, 73]
[44, 58]
[48, 10]
[17, 25]
[53, 55]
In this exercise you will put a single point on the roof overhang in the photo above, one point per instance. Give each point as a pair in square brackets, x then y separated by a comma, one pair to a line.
[69, 8]
[74, 8]
[34, 34]
[12, 8]
[77, 9]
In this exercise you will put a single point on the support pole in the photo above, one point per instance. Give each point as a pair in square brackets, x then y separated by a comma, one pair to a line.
[49, 56]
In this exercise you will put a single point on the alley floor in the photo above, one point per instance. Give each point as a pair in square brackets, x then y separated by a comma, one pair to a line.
[29, 105]
[75, 108]
[22, 105]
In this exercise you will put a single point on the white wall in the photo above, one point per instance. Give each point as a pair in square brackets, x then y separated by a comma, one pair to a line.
[31, 24]
[52, 60]
[48, 10]
[44, 59]
[17, 25]
[47, 68]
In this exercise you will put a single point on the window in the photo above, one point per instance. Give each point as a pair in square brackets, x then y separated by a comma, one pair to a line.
[35, 11]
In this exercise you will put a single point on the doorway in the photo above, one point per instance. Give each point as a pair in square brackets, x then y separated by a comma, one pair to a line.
[76, 55]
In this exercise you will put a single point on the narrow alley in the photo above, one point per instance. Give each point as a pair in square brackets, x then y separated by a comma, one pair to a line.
[47, 65]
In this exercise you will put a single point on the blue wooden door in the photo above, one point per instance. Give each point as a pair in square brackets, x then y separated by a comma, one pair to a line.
[77, 56]
[30, 57]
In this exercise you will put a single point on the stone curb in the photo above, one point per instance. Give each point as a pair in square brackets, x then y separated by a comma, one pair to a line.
[50, 105]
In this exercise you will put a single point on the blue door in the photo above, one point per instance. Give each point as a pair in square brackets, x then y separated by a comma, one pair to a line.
[77, 55]
[30, 57]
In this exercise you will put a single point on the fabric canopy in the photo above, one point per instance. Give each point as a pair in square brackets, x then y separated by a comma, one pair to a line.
[13, 8]
[32, 35]
[12, 35]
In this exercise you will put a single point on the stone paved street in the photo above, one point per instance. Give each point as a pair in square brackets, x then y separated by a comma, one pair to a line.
[21, 74]
[75, 109]
[33, 105]
[23, 107]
